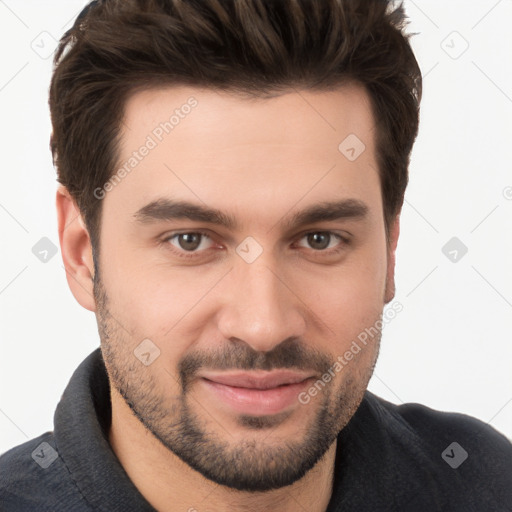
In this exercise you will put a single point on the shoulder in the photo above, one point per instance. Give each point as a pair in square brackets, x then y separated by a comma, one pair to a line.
[436, 426]
[456, 451]
[30, 475]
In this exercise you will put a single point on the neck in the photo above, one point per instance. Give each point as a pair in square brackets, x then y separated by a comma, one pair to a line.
[169, 484]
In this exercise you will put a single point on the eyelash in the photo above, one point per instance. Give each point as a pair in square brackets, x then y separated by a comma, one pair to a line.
[344, 241]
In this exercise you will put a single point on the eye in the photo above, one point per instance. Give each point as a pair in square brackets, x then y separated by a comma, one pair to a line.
[322, 240]
[189, 242]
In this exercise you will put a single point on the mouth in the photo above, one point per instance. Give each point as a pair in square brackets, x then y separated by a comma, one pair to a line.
[256, 393]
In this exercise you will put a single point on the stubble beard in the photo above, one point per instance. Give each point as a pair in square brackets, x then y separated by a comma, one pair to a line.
[253, 464]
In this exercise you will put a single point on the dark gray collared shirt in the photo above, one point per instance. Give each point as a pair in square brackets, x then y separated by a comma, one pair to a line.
[389, 458]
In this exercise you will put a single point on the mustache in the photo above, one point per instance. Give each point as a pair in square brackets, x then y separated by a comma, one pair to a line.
[291, 353]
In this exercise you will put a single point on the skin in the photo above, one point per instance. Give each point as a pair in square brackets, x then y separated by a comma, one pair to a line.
[260, 161]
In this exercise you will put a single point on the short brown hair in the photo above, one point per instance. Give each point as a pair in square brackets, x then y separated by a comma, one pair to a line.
[258, 47]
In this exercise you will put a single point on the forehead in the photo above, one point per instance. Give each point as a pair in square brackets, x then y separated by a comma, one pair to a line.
[294, 117]
[217, 147]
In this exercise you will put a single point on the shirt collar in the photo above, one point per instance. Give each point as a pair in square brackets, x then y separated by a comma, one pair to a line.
[81, 424]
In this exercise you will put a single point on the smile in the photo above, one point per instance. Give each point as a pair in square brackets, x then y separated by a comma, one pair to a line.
[254, 393]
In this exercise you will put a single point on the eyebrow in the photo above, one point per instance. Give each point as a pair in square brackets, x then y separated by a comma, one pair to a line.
[164, 209]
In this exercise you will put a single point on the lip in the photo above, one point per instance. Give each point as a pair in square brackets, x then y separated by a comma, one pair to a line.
[257, 379]
[256, 393]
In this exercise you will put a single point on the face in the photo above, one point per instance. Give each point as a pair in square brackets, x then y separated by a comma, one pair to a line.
[242, 254]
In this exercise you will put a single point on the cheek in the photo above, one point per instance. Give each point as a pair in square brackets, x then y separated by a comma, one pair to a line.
[349, 300]
[152, 300]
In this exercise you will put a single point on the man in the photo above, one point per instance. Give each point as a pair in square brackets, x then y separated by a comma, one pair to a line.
[231, 178]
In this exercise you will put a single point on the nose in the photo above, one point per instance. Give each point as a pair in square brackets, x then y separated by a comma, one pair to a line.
[260, 307]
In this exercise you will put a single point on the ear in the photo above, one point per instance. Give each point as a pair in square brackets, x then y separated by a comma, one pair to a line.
[394, 233]
[76, 249]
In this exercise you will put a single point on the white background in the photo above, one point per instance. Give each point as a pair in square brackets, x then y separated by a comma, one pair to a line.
[451, 346]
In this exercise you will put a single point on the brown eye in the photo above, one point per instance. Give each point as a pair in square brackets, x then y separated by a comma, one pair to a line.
[189, 242]
[319, 241]
[322, 240]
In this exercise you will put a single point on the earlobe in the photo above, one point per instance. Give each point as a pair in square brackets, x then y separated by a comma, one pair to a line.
[394, 233]
[76, 249]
